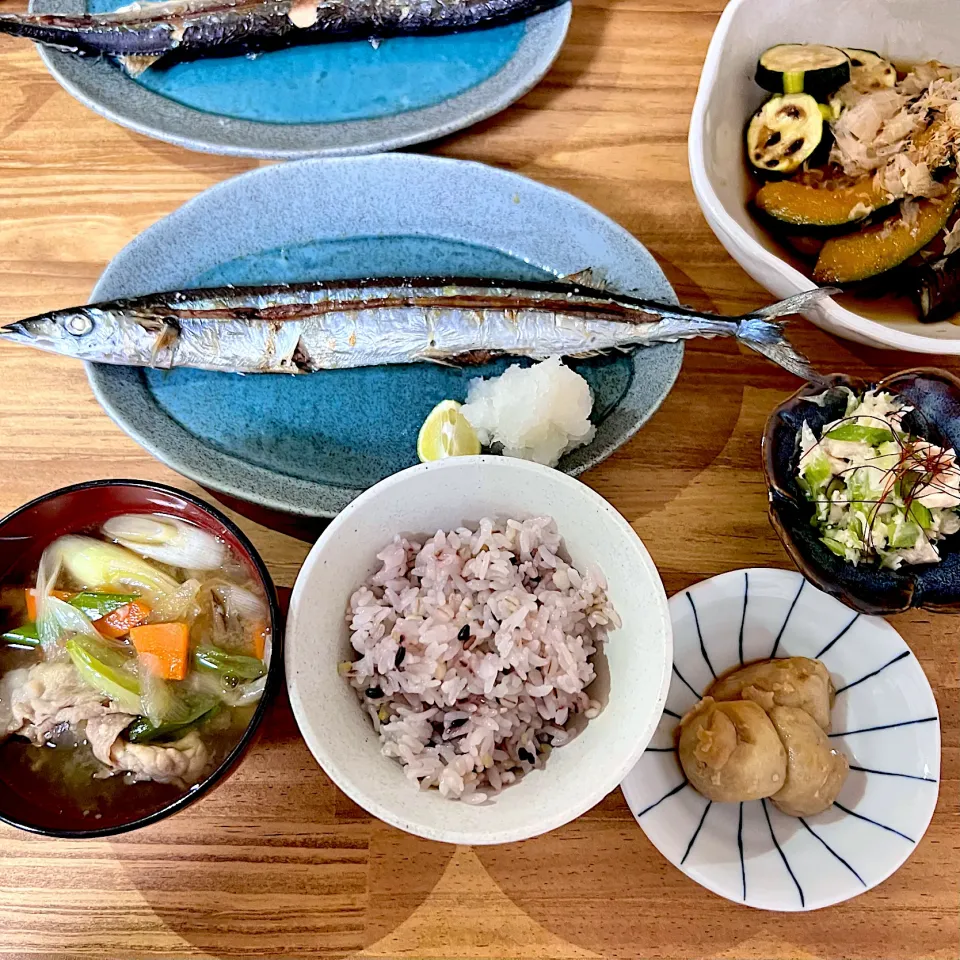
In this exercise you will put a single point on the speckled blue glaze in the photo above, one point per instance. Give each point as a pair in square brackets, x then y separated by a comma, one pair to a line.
[328, 83]
[345, 426]
[935, 396]
[308, 445]
[336, 99]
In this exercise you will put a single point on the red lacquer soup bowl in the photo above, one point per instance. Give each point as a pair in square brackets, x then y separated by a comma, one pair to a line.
[27, 799]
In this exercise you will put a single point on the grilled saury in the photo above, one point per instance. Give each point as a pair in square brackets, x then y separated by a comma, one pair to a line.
[335, 325]
[144, 32]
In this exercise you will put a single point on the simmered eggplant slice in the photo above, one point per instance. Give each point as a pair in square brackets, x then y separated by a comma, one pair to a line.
[784, 132]
[869, 71]
[938, 289]
[803, 68]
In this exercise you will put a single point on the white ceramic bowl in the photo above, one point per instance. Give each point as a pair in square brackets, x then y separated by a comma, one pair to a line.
[906, 30]
[447, 494]
[884, 718]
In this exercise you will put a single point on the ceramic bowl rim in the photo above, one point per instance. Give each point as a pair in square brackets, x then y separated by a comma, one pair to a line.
[590, 796]
[742, 246]
[230, 763]
[778, 498]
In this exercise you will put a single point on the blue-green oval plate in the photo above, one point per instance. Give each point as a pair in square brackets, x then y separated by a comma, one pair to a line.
[308, 445]
[332, 99]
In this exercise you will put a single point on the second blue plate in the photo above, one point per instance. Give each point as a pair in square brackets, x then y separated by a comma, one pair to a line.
[325, 99]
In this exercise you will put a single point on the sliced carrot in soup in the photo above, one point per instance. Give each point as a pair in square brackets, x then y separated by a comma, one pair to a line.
[30, 596]
[166, 647]
[119, 623]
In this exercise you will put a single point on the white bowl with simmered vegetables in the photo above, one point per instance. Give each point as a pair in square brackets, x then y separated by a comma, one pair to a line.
[822, 150]
[137, 651]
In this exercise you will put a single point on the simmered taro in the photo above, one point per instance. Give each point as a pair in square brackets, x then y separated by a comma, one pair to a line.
[131, 664]
[762, 731]
[731, 751]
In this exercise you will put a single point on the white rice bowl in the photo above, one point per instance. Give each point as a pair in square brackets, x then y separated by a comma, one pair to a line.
[475, 652]
[633, 672]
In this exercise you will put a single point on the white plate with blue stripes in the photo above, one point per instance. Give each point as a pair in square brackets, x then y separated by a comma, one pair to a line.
[885, 720]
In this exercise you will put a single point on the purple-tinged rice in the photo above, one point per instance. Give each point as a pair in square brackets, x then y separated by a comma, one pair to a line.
[497, 633]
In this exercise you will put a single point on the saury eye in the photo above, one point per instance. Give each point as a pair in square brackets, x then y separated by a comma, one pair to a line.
[79, 325]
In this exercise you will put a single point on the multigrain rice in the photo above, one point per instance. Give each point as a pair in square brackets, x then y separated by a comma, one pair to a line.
[475, 651]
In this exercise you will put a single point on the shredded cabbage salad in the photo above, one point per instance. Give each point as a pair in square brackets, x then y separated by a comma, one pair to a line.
[880, 492]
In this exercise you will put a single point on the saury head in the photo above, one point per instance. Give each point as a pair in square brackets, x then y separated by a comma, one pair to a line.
[88, 333]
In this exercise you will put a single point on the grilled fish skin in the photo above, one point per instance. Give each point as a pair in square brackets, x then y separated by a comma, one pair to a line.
[187, 29]
[303, 328]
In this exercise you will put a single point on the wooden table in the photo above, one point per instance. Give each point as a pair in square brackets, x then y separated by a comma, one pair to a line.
[278, 863]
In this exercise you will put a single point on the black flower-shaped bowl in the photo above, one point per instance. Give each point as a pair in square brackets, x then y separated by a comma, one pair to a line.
[935, 396]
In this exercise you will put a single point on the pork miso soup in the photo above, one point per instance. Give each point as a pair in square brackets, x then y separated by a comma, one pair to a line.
[133, 658]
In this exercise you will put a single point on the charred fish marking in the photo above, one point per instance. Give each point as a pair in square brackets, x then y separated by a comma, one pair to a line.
[356, 323]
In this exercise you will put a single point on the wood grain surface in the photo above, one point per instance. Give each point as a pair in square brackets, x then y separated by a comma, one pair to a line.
[278, 863]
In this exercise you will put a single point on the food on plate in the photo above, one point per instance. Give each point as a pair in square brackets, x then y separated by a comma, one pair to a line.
[475, 649]
[731, 751]
[360, 323]
[881, 493]
[446, 433]
[787, 682]
[860, 159]
[132, 662]
[537, 413]
[143, 33]
[815, 771]
[761, 731]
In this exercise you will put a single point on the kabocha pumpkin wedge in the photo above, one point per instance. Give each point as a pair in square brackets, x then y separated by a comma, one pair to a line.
[804, 205]
[870, 252]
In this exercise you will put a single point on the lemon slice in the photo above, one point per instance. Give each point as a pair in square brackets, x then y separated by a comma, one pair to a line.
[446, 433]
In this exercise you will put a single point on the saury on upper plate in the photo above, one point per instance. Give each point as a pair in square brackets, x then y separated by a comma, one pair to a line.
[333, 325]
[142, 33]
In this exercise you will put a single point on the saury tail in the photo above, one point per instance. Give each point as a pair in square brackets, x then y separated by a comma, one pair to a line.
[34, 28]
[90, 35]
[14, 24]
[795, 304]
[760, 332]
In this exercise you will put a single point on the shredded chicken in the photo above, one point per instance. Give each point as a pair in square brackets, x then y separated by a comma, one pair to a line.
[34, 700]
